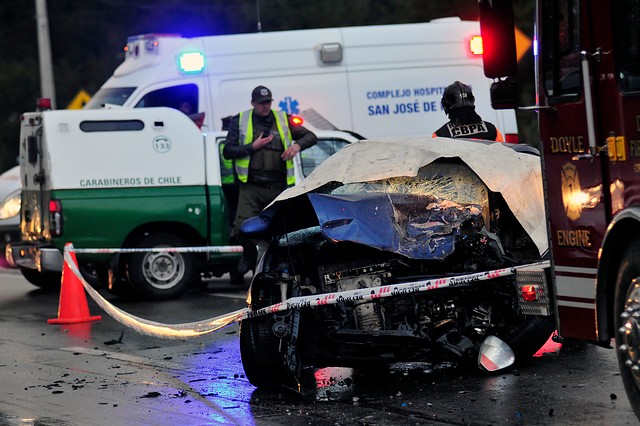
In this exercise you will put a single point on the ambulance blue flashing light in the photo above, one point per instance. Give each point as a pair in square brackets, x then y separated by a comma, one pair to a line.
[191, 62]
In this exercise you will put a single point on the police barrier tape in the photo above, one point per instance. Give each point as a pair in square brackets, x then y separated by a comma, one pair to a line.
[208, 249]
[199, 328]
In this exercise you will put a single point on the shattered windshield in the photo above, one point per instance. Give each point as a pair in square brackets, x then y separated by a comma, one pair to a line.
[419, 217]
[442, 182]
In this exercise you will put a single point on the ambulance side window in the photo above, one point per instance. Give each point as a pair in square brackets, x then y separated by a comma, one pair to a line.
[179, 97]
[325, 148]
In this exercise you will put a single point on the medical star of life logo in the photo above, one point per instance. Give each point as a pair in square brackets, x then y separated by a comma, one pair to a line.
[289, 105]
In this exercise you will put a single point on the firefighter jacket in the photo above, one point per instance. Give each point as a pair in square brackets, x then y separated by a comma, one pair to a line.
[479, 130]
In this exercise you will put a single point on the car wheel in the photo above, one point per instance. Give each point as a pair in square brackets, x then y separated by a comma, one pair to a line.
[262, 354]
[160, 275]
[626, 323]
[49, 280]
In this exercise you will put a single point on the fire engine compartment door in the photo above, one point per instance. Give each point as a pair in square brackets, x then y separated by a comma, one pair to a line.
[585, 188]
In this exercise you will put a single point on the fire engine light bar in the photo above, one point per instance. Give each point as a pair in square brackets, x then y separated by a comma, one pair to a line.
[191, 62]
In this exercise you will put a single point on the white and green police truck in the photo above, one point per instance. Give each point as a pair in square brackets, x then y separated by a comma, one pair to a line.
[129, 178]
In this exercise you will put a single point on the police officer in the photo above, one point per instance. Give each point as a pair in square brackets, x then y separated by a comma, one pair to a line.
[458, 103]
[263, 143]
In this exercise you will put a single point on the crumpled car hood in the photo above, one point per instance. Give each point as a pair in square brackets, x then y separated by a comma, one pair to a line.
[516, 175]
[418, 227]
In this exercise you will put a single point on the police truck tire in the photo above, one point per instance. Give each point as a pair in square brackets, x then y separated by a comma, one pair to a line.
[49, 281]
[627, 301]
[96, 275]
[160, 275]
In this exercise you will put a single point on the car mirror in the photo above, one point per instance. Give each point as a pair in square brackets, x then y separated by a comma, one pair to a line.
[504, 94]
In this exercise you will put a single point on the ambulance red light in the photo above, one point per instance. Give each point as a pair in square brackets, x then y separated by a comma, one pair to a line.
[476, 47]
[297, 120]
[529, 293]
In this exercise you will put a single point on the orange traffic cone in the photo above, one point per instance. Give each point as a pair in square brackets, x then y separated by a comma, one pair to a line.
[73, 306]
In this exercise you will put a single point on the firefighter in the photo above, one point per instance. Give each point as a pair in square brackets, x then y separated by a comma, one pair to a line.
[263, 143]
[458, 103]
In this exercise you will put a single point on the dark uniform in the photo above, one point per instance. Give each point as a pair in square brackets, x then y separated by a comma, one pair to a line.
[458, 103]
[262, 173]
[480, 130]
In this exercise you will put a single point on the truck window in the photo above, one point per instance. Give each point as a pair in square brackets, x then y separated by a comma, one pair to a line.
[626, 33]
[111, 125]
[183, 97]
[561, 61]
[112, 96]
[312, 157]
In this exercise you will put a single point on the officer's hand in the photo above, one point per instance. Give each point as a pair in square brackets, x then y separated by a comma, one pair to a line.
[291, 152]
[262, 141]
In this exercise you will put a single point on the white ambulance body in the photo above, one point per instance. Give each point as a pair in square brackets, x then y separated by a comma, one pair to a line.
[377, 81]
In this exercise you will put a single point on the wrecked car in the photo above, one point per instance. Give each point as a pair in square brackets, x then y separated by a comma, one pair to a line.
[385, 216]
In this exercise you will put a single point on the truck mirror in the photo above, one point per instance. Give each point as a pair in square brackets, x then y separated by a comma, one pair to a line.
[497, 27]
[504, 94]
[32, 149]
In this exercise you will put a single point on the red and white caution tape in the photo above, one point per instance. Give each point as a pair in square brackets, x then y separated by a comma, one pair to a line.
[207, 249]
[199, 328]
[373, 293]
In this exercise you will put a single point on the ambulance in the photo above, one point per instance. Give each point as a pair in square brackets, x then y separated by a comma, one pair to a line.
[376, 81]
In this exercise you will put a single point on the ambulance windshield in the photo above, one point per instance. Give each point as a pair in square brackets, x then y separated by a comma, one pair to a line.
[112, 96]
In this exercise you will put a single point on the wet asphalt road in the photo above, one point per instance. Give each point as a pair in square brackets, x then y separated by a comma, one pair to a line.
[101, 374]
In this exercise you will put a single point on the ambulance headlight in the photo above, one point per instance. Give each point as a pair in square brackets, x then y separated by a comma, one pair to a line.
[191, 62]
[10, 206]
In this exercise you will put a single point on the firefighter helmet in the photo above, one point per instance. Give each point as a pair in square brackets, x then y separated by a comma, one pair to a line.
[457, 95]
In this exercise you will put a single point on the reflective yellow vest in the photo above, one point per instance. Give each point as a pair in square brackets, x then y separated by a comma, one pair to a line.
[246, 136]
[226, 168]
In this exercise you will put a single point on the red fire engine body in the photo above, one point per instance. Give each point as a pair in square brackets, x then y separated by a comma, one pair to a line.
[587, 56]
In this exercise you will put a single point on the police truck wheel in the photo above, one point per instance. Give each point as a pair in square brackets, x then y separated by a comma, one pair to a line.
[96, 275]
[627, 324]
[160, 275]
[49, 281]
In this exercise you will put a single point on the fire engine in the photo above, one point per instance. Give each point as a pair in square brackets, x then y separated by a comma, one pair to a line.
[587, 62]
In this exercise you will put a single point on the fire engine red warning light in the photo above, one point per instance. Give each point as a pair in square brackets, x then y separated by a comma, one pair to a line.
[297, 120]
[529, 293]
[475, 45]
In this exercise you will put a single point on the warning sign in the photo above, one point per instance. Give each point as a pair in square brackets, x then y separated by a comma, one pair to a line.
[79, 100]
